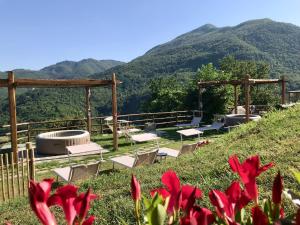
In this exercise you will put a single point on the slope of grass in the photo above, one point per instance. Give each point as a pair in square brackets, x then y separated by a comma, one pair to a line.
[275, 138]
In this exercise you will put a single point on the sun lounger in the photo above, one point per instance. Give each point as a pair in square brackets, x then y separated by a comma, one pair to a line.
[188, 148]
[77, 172]
[145, 158]
[194, 123]
[214, 126]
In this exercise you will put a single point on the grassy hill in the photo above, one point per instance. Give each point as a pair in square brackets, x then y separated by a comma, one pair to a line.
[275, 138]
[273, 42]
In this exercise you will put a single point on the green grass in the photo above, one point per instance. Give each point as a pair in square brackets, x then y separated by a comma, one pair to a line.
[275, 138]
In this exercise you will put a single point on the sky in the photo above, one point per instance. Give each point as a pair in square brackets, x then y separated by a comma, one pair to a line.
[38, 33]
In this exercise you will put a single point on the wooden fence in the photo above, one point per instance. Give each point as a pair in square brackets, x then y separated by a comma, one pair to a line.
[14, 177]
[28, 131]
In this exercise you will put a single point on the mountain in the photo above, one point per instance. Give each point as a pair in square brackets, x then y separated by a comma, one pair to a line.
[63, 70]
[273, 42]
[71, 69]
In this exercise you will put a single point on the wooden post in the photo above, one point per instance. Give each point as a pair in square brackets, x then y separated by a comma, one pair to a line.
[88, 109]
[283, 90]
[247, 96]
[200, 103]
[114, 111]
[235, 99]
[13, 115]
[30, 151]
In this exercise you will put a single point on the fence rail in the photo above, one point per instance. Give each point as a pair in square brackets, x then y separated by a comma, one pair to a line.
[27, 131]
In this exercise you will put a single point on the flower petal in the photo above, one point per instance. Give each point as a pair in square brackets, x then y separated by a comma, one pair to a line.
[277, 189]
[259, 218]
[135, 189]
[171, 181]
[89, 221]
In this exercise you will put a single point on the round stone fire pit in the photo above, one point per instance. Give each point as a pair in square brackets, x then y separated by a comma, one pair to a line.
[55, 142]
[235, 119]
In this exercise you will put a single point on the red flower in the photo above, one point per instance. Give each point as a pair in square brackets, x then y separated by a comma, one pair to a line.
[277, 189]
[248, 171]
[89, 221]
[38, 196]
[180, 197]
[135, 189]
[229, 203]
[198, 216]
[74, 205]
[82, 205]
[65, 197]
[297, 219]
[258, 216]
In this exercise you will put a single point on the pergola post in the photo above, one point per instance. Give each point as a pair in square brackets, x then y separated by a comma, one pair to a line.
[247, 96]
[200, 103]
[114, 112]
[235, 99]
[13, 114]
[283, 90]
[88, 109]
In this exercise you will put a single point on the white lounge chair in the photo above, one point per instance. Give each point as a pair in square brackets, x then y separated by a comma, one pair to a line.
[214, 126]
[194, 123]
[188, 148]
[145, 158]
[77, 172]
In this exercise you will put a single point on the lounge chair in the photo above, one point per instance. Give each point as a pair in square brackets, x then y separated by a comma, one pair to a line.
[77, 172]
[194, 123]
[188, 148]
[214, 126]
[145, 158]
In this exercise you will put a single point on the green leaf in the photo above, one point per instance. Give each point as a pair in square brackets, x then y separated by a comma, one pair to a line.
[296, 175]
[158, 216]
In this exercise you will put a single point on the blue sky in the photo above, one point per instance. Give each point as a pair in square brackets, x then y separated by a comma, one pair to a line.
[38, 33]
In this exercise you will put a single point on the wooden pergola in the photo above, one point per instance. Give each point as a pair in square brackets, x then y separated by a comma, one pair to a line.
[12, 83]
[246, 82]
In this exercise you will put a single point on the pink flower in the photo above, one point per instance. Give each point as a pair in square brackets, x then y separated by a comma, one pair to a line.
[248, 171]
[180, 196]
[135, 189]
[258, 216]
[229, 203]
[38, 196]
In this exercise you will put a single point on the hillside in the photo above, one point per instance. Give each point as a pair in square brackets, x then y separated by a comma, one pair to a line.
[273, 42]
[61, 70]
[83, 68]
[276, 138]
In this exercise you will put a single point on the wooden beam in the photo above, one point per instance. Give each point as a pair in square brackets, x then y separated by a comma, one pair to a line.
[235, 99]
[283, 90]
[247, 96]
[88, 109]
[13, 114]
[61, 83]
[219, 83]
[114, 112]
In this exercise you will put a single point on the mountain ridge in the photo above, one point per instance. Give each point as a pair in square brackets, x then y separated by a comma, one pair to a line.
[275, 43]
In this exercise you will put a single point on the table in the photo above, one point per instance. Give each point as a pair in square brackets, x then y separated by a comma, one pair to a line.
[89, 148]
[145, 137]
[189, 132]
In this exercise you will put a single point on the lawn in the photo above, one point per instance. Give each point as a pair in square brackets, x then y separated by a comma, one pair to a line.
[275, 138]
